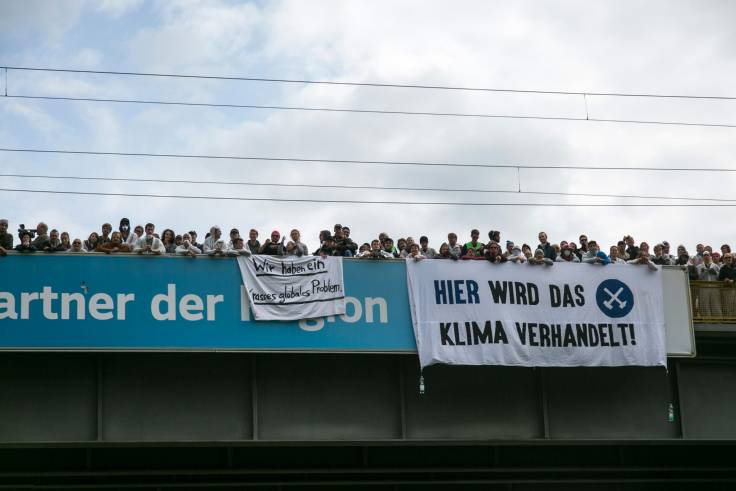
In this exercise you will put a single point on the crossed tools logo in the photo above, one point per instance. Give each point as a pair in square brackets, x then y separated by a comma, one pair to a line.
[614, 298]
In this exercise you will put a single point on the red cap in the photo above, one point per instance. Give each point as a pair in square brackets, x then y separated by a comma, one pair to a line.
[275, 232]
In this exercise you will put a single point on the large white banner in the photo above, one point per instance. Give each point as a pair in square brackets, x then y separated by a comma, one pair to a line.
[293, 287]
[478, 313]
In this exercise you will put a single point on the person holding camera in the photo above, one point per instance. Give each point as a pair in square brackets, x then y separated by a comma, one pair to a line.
[25, 246]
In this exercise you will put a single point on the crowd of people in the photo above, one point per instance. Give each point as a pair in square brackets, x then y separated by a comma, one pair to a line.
[706, 264]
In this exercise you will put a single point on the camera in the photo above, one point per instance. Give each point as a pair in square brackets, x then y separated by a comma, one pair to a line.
[23, 230]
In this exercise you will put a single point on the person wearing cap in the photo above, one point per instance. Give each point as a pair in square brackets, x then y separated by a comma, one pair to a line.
[274, 246]
[234, 234]
[6, 239]
[716, 256]
[424, 248]
[516, 256]
[567, 255]
[539, 259]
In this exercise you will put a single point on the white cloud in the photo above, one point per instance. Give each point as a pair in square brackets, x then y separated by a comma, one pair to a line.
[38, 20]
[195, 35]
[117, 8]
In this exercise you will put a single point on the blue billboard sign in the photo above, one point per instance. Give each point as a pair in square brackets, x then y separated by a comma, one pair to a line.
[97, 302]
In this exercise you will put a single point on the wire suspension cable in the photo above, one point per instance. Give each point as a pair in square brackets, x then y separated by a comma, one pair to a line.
[370, 84]
[365, 162]
[362, 202]
[352, 187]
[372, 111]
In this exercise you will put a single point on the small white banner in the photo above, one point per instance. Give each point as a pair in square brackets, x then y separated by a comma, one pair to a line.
[478, 313]
[293, 288]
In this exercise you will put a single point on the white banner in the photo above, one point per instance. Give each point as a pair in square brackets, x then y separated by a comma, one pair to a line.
[478, 313]
[292, 288]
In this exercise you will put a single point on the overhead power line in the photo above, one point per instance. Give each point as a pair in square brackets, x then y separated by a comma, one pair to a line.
[371, 111]
[366, 162]
[370, 202]
[364, 188]
[372, 84]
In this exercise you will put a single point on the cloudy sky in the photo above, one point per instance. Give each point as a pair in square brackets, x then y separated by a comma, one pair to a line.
[667, 47]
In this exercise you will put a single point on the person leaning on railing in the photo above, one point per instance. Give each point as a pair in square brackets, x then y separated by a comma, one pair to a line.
[25, 246]
[149, 243]
[375, 252]
[6, 239]
[187, 247]
[727, 274]
[76, 247]
[114, 245]
[709, 298]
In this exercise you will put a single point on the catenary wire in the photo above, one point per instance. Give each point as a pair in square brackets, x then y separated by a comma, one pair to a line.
[370, 84]
[372, 111]
[365, 162]
[370, 202]
[353, 187]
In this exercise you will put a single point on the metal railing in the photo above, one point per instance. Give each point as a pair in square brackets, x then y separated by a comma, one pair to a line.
[713, 301]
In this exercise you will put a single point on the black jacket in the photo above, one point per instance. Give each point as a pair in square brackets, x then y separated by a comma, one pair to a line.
[727, 272]
[633, 252]
[549, 251]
